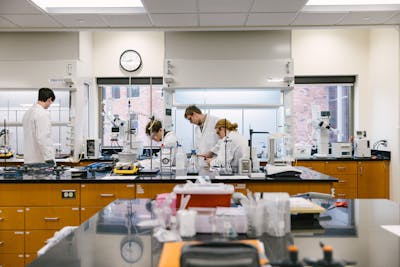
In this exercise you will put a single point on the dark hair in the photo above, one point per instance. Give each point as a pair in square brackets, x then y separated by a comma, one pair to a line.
[153, 126]
[46, 93]
[192, 109]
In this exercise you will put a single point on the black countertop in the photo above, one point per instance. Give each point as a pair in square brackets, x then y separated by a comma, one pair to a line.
[355, 233]
[306, 176]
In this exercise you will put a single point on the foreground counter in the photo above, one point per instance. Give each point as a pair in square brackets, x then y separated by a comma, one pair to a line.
[113, 237]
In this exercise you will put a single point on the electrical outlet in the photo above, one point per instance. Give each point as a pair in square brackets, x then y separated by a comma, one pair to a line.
[68, 194]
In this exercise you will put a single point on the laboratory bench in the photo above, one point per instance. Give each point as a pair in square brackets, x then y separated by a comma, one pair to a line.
[113, 237]
[32, 208]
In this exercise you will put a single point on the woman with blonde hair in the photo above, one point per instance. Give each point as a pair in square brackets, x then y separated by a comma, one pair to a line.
[231, 144]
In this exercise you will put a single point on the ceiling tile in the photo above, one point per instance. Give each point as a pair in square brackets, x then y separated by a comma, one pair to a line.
[80, 20]
[223, 19]
[5, 23]
[265, 19]
[357, 18]
[318, 18]
[170, 6]
[134, 20]
[224, 6]
[174, 20]
[32, 21]
[278, 5]
[394, 19]
[18, 7]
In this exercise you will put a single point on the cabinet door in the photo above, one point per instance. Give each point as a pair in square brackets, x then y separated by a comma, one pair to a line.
[12, 218]
[51, 217]
[318, 166]
[151, 190]
[36, 239]
[373, 179]
[11, 241]
[100, 195]
[291, 188]
[51, 194]
[12, 260]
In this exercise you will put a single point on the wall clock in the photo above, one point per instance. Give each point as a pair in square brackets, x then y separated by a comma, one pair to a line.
[130, 60]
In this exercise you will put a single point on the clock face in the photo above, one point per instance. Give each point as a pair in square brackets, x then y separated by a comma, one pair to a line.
[131, 250]
[130, 60]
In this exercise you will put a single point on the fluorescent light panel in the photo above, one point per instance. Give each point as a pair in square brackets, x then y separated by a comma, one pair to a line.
[90, 6]
[351, 2]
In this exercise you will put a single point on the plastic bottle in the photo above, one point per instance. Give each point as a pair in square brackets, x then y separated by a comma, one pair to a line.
[193, 169]
[180, 157]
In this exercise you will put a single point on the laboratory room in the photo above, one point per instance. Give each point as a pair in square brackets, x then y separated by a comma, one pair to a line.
[199, 133]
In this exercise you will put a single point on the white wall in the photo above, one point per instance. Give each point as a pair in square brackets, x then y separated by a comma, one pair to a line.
[383, 92]
[226, 59]
[108, 46]
[373, 56]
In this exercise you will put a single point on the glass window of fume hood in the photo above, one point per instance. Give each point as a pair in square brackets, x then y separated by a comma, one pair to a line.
[334, 97]
[259, 109]
[13, 105]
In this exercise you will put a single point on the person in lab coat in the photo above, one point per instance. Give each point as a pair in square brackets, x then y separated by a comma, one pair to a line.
[205, 138]
[231, 143]
[38, 145]
[157, 133]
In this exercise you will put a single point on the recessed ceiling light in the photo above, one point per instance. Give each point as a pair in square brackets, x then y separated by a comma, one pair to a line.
[90, 6]
[351, 5]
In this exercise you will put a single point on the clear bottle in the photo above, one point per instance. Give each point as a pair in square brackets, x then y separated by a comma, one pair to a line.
[180, 157]
[193, 168]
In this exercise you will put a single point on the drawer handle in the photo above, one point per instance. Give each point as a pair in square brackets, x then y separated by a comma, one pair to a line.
[342, 181]
[341, 195]
[340, 168]
[51, 219]
[106, 195]
[1, 243]
[1, 219]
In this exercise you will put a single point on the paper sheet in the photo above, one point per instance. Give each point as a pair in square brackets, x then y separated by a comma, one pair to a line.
[394, 229]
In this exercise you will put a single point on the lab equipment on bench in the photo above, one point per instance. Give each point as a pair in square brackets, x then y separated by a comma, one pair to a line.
[92, 148]
[5, 150]
[362, 147]
[323, 127]
[342, 150]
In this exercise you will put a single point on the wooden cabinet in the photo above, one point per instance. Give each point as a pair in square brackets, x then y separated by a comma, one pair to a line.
[12, 218]
[51, 217]
[12, 260]
[151, 190]
[11, 195]
[51, 194]
[291, 187]
[373, 179]
[11, 241]
[357, 179]
[346, 172]
[36, 239]
[94, 197]
[318, 166]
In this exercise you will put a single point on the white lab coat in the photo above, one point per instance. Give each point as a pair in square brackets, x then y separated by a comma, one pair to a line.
[170, 140]
[38, 144]
[237, 147]
[205, 140]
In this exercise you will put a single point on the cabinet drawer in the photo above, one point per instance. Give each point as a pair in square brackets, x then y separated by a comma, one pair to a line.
[36, 239]
[12, 218]
[12, 260]
[100, 195]
[341, 167]
[346, 180]
[11, 241]
[345, 192]
[51, 217]
[51, 194]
